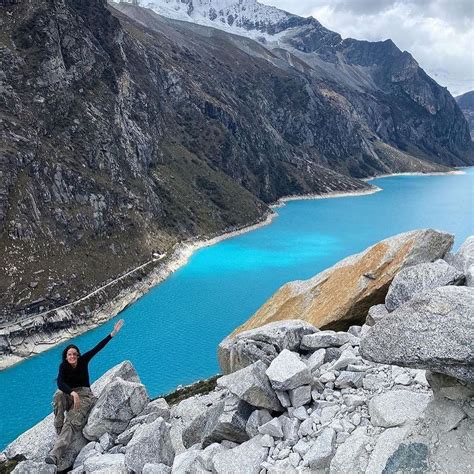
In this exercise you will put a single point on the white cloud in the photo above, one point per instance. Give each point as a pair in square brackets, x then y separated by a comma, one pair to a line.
[438, 33]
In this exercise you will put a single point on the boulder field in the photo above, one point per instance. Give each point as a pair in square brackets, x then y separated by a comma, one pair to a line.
[393, 395]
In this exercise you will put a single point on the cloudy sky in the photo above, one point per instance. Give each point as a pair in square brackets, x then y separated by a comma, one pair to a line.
[438, 33]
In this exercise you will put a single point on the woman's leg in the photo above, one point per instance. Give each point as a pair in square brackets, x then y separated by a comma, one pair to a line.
[75, 421]
[62, 402]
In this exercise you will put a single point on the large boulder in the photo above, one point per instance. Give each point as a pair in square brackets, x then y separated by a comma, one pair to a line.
[36, 443]
[420, 279]
[321, 451]
[189, 417]
[352, 455]
[433, 331]
[342, 295]
[245, 458]
[124, 371]
[287, 371]
[397, 407]
[150, 444]
[119, 402]
[252, 385]
[463, 260]
[227, 421]
[262, 343]
[104, 463]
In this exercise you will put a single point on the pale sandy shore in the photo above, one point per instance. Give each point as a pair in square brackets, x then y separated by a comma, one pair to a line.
[434, 173]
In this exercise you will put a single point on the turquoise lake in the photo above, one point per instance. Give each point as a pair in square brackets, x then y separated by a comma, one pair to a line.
[171, 334]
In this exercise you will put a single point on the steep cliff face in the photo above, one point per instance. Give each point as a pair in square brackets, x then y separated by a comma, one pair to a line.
[466, 104]
[121, 134]
[116, 143]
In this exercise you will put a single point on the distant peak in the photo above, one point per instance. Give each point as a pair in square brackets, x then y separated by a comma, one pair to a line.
[243, 17]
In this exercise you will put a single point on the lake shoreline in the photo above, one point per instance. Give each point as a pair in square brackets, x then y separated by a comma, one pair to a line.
[179, 257]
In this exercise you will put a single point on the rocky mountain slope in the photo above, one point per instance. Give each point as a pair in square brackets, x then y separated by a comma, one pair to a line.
[302, 400]
[124, 132]
[466, 104]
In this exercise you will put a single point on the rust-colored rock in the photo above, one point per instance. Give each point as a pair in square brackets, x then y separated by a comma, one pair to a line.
[342, 295]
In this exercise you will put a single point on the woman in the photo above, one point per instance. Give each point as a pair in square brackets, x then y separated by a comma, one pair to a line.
[74, 395]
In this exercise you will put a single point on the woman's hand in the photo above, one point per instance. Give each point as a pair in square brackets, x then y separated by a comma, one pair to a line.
[117, 327]
[76, 400]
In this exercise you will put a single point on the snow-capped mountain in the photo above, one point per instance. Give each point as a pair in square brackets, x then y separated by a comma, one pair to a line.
[243, 17]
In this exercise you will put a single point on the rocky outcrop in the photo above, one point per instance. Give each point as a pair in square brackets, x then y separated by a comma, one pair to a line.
[432, 331]
[419, 279]
[262, 343]
[322, 405]
[342, 295]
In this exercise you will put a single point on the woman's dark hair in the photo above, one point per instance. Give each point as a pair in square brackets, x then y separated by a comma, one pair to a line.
[71, 346]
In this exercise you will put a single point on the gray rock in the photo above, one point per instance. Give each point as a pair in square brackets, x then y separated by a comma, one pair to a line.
[143, 419]
[183, 462]
[397, 407]
[290, 429]
[263, 343]
[106, 441]
[449, 387]
[243, 459]
[354, 400]
[32, 467]
[125, 437]
[160, 407]
[300, 413]
[288, 371]
[227, 421]
[205, 456]
[272, 428]
[322, 450]
[349, 379]
[124, 371]
[119, 402]
[332, 353]
[301, 447]
[444, 415]
[316, 359]
[90, 449]
[373, 382]
[151, 468]
[306, 428]
[376, 313]
[150, 444]
[257, 418]
[323, 339]
[189, 417]
[355, 330]
[251, 384]
[463, 259]
[347, 357]
[411, 457]
[351, 456]
[300, 396]
[283, 397]
[106, 463]
[386, 445]
[433, 331]
[328, 413]
[419, 279]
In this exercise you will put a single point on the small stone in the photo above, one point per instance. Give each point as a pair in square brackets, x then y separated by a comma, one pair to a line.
[300, 396]
[272, 428]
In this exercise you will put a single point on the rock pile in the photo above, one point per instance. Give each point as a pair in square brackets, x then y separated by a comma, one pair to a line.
[395, 395]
